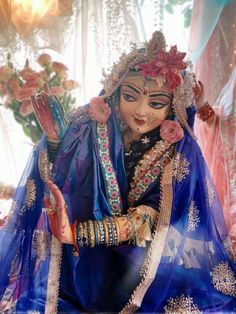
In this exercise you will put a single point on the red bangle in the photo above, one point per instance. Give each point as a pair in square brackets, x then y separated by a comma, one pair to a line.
[74, 233]
[205, 112]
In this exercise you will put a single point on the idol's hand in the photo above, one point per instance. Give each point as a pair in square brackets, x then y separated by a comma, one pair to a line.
[204, 111]
[50, 114]
[57, 214]
[199, 94]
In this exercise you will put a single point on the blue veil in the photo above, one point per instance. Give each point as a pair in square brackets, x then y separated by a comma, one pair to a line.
[187, 266]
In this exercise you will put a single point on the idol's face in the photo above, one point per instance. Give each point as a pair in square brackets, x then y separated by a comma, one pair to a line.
[143, 104]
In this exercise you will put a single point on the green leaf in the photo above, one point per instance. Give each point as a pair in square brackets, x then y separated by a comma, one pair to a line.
[187, 17]
[172, 2]
[168, 7]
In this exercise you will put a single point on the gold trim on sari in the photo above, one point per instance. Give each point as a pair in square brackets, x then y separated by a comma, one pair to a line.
[53, 277]
[155, 252]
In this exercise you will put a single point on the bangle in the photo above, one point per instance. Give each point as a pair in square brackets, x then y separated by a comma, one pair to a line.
[74, 231]
[114, 231]
[106, 232]
[96, 232]
[117, 231]
[101, 232]
[92, 233]
[110, 231]
[79, 235]
[84, 234]
[205, 112]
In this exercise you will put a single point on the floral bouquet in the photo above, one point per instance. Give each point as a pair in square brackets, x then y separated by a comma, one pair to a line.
[17, 86]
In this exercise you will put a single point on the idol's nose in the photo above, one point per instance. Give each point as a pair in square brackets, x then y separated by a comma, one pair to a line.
[141, 110]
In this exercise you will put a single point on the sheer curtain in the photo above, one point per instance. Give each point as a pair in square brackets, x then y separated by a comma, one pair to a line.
[213, 49]
[87, 36]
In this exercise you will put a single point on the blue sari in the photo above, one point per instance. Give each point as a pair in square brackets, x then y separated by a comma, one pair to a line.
[188, 266]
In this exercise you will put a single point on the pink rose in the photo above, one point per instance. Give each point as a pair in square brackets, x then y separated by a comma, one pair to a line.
[5, 73]
[171, 131]
[57, 90]
[44, 59]
[26, 107]
[60, 69]
[3, 89]
[99, 110]
[27, 73]
[25, 93]
[70, 84]
[14, 86]
[43, 74]
[34, 81]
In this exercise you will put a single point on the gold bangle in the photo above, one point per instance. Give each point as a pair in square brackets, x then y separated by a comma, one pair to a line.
[92, 233]
[104, 221]
[85, 232]
[117, 231]
[96, 232]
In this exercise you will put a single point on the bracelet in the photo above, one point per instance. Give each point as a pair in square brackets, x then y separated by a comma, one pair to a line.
[101, 231]
[114, 231]
[74, 229]
[96, 233]
[91, 233]
[110, 231]
[205, 112]
[84, 234]
[106, 232]
[117, 231]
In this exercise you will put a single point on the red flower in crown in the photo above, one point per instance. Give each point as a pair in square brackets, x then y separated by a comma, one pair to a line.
[166, 64]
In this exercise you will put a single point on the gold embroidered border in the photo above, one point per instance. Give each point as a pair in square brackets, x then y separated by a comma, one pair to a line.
[30, 195]
[155, 251]
[44, 165]
[53, 277]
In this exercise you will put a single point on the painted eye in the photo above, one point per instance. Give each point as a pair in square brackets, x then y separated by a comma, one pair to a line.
[157, 105]
[128, 97]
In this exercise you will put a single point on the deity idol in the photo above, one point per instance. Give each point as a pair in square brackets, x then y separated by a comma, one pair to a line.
[116, 211]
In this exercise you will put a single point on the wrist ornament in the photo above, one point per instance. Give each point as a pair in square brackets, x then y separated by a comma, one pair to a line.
[205, 112]
[74, 234]
[144, 219]
[96, 232]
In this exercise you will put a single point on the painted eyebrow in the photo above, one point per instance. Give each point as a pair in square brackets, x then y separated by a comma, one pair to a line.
[160, 94]
[133, 88]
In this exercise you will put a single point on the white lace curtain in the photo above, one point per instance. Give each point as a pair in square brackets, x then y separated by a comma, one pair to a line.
[86, 35]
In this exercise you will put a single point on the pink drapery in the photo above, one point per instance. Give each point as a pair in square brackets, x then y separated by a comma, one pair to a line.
[216, 69]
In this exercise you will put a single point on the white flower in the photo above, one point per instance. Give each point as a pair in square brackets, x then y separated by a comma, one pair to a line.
[145, 140]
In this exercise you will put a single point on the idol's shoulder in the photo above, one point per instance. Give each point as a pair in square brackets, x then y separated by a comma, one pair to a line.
[79, 115]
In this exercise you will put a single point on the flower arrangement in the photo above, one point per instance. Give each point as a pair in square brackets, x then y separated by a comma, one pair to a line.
[17, 86]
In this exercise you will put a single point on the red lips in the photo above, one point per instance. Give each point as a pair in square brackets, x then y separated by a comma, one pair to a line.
[139, 121]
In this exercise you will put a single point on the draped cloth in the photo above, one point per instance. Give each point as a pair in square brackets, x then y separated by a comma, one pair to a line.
[28, 17]
[214, 62]
[188, 266]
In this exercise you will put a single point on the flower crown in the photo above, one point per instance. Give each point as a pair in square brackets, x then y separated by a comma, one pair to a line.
[166, 65]
[153, 61]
